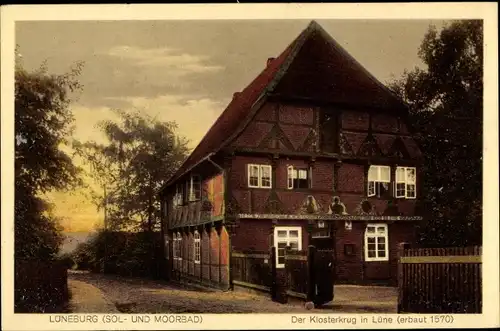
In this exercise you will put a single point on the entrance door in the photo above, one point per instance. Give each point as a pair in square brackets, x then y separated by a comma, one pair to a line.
[322, 275]
[322, 256]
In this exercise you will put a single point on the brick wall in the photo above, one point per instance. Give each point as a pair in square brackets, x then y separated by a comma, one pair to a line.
[355, 120]
[351, 178]
[353, 269]
[292, 114]
[257, 234]
[384, 123]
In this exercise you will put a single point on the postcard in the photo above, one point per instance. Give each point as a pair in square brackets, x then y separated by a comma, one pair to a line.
[250, 166]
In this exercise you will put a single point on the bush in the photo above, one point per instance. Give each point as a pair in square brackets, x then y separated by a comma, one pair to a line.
[67, 261]
[123, 253]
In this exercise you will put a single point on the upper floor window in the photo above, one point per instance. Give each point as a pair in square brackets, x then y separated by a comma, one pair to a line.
[405, 186]
[298, 178]
[259, 175]
[197, 247]
[286, 236]
[177, 199]
[379, 178]
[195, 188]
[376, 242]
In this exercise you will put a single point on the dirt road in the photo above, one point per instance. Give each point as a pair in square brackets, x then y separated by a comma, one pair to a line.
[135, 295]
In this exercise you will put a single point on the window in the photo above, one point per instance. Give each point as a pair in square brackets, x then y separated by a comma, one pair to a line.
[197, 247]
[322, 230]
[185, 192]
[298, 178]
[405, 186]
[195, 188]
[259, 175]
[321, 233]
[177, 242]
[166, 243]
[379, 178]
[376, 242]
[284, 237]
[177, 199]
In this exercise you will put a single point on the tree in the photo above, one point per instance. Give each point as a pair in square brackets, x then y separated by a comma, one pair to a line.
[140, 155]
[42, 124]
[446, 104]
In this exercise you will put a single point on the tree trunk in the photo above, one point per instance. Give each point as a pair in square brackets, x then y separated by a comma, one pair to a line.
[150, 206]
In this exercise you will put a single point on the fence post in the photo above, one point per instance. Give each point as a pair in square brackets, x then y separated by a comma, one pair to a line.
[311, 277]
[401, 296]
[272, 261]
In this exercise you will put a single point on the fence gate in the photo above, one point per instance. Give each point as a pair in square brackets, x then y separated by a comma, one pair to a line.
[322, 275]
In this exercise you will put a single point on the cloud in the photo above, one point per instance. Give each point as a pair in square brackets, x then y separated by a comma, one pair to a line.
[169, 59]
[194, 116]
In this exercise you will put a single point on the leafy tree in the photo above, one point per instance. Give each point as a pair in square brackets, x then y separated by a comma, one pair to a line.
[140, 155]
[42, 125]
[446, 109]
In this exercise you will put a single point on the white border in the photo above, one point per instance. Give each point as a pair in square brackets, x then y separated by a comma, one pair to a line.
[486, 11]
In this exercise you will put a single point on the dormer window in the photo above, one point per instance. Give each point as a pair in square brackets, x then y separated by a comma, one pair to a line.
[195, 188]
[379, 179]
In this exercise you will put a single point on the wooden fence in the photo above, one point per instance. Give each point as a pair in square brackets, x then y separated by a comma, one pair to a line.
[257, 270]
[297, 273]
[252, 269]
[440, 280]
[40, 287]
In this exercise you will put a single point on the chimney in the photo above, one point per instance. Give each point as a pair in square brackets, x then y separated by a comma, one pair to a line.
[270, 60]
[236, 94]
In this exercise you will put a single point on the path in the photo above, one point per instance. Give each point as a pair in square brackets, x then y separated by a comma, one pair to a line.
[86, 298]
[135, 295]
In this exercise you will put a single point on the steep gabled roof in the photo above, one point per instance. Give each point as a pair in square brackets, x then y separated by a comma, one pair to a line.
[241, 108]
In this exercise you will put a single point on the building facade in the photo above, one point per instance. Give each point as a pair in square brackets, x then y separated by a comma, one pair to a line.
[314, 151]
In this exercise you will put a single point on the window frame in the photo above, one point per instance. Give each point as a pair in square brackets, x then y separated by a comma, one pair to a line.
[290, 176]
[177, 243]
[276, 240]
[192, 191]
[378, 180]
[177, 198]
[196, 247]
[406, 183]
[260, 177]
[376, 235]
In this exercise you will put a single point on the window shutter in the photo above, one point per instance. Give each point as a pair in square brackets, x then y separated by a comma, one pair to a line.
[290, 177]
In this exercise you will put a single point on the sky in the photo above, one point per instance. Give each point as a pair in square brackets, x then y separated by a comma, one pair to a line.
[186, 71]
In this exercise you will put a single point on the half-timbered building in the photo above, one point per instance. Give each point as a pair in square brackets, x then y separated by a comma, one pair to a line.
[314, 151]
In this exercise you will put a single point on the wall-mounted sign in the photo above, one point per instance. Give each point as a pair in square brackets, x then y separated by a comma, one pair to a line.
[348, 225]
[321, 224]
